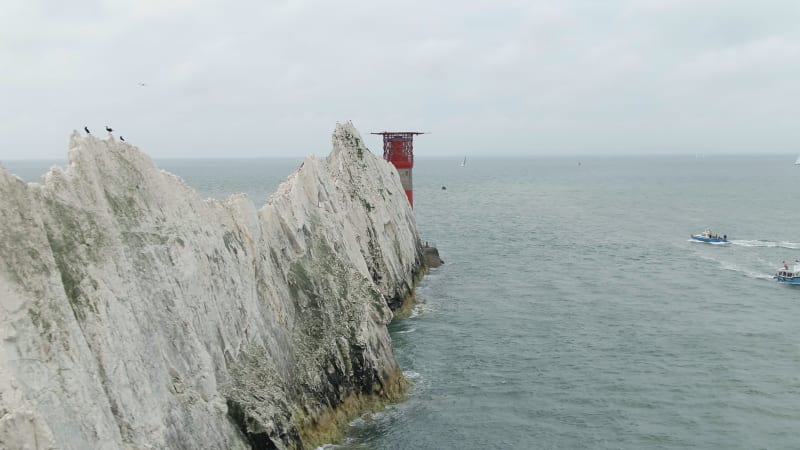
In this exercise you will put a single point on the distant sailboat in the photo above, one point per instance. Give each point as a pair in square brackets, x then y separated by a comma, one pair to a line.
[464, 162]
[797, 161]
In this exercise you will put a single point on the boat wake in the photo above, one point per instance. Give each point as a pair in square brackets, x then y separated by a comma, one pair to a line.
[747, 272]
[729, 266]
[767, 244]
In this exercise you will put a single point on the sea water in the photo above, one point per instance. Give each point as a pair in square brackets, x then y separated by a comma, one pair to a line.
[574, 312]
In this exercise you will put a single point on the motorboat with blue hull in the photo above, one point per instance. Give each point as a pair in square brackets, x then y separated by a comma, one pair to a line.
[787, 274]
[710, 238]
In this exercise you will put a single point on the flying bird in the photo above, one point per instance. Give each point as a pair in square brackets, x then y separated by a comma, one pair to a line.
[121, 138]
[108, 129]
[143, 84]
[87, 130]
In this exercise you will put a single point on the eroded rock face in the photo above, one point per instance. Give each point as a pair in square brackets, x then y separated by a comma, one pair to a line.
[134, 314]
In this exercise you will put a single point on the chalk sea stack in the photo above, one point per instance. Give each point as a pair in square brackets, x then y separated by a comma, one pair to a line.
[135, 314]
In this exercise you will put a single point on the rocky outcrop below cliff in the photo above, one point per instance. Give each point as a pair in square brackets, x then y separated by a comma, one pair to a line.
[134, 314]
[430, 256]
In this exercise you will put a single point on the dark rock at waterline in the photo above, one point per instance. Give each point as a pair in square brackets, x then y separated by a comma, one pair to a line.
[430, 256]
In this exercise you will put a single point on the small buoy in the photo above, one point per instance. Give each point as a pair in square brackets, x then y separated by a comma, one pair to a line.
[444, 188]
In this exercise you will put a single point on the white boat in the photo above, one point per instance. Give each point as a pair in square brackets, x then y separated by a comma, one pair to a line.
[464, 162]
[788, 274]
[710, 238]
[797, 161]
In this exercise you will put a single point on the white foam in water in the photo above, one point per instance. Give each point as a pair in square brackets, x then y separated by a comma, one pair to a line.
[357, 422]
[769, 244]
[327, 447]
[416, 311]
[411, 375]
[378, 415]
[749, 273]
[725, 265]
[420, 309]
[407, 331]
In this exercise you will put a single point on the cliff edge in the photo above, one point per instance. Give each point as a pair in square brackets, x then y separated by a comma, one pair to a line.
[134, 314]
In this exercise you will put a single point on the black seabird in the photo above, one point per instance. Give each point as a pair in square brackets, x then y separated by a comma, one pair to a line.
[121, 138]
[108, 129]
[87, 130]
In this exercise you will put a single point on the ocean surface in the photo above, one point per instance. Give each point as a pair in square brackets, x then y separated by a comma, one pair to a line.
[573, 312]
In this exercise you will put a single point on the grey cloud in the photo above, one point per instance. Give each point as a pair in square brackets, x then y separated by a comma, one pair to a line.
[271, 78]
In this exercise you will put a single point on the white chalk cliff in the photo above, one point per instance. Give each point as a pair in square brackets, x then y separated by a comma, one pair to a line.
[134, 314]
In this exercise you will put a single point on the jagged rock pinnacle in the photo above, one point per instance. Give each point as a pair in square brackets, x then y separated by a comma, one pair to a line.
[135, 311]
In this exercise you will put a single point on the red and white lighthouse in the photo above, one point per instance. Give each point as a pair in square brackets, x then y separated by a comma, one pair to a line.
[398, 149]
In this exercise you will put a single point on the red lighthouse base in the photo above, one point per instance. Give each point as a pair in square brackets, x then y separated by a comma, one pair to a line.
[410, 195]
[398, 149]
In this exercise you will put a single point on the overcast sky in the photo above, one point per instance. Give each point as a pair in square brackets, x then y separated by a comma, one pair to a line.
[485, 77]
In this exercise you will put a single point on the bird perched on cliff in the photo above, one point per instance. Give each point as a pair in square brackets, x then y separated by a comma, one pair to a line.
[87, 130]
[109, 129]
[121, 138]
